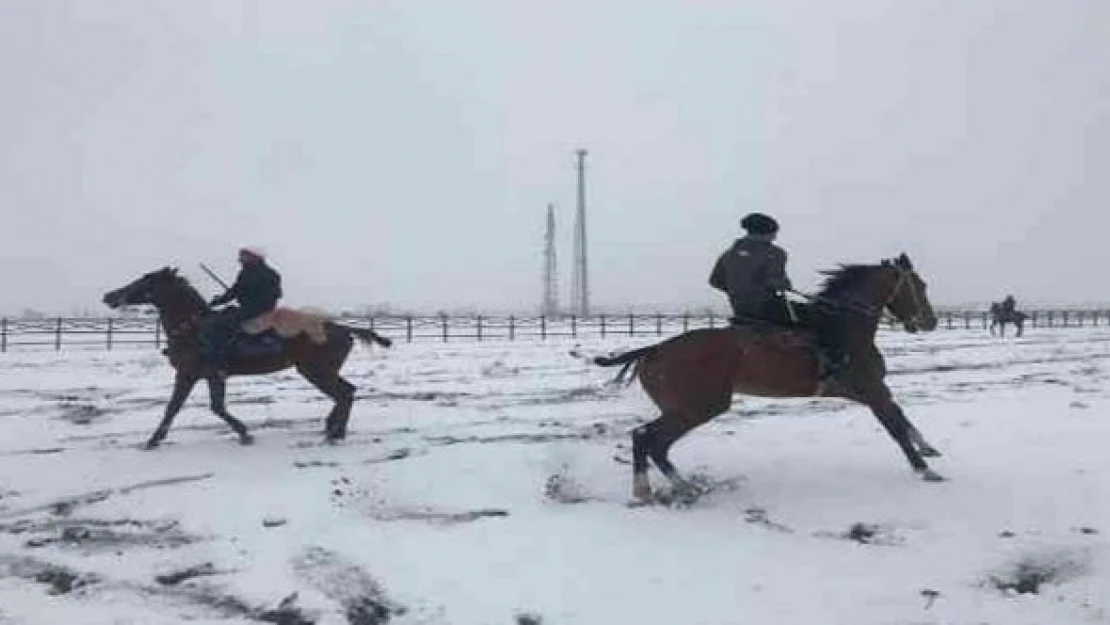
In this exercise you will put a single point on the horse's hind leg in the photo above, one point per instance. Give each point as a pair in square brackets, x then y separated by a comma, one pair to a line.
[340, 391]
[655, 439]
[641, 484]
[217, 401]
[342, 412]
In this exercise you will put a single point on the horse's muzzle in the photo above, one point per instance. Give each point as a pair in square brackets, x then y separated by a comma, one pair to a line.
[113, 299]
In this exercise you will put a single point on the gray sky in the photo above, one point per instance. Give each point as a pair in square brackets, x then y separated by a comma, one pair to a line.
[404, 151]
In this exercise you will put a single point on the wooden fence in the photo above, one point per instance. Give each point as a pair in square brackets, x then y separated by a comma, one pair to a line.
[112, 332]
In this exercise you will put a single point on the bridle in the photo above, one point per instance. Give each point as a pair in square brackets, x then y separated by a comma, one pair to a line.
[915, 318]
[873, 311]
[182, 327]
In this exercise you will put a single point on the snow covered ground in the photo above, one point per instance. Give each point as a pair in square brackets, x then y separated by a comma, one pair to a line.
[487, 484]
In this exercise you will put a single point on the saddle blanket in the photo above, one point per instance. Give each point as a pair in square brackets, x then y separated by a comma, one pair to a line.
[289, 322]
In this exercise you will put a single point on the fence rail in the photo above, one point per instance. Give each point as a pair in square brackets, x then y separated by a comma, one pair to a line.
[111, 332]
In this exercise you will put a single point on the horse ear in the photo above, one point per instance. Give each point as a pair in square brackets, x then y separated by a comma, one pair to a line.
[904, 261]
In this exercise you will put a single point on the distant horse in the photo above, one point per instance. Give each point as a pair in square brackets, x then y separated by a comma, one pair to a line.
[181, 310]
[1000, 317]
[692, 377]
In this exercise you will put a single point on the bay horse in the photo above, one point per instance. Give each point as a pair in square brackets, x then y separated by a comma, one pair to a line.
[1000, 317]
[181, 310]
[692, 377]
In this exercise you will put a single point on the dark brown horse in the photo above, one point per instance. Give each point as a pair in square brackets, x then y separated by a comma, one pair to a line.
[692, 377]
[181, 309]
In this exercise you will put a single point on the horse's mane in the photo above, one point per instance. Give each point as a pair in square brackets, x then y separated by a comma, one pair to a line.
[191, 293]
[844, 279]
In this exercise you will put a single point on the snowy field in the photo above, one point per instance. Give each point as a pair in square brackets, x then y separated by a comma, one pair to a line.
[487, 484]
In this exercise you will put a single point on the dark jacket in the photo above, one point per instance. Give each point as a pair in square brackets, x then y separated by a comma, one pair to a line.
[257, 289]
[753, 274]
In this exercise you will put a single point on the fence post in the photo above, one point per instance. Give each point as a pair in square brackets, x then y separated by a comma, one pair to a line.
[685, 321]
[711, 319]
[631, 324]
[58, 335]
[543, 327]
[157, 335]
[443, 318]
[602, 326]
[109, 334]
[967, 320]
[408, 328]
[512, 327]
[479, 328]
[4, 334]
[574, 326]
[659, 324]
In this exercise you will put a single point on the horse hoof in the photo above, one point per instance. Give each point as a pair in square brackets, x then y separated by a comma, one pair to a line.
[929, 452]
[641, 490]
[246, 439]
[930, 475]
[150, 446]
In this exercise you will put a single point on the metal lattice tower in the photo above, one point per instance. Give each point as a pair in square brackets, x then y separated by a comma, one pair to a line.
[550, 304]
[580, 286]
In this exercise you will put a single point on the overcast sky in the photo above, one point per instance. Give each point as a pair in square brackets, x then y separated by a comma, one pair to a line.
[404, 151]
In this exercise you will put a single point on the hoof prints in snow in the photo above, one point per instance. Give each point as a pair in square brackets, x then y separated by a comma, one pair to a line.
[1031, 573]
[93, 534]
[201, 570]
[362, 599]
[344, 493]
[62, 580]
[866, 534]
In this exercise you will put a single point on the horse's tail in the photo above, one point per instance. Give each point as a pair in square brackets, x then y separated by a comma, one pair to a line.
[369, 336]
[629, 359]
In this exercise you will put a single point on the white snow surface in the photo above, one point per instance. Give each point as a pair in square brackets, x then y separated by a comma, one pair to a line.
[441, 430]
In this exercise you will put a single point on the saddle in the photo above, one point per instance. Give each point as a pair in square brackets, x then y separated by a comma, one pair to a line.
[260, 344]
[797, 331]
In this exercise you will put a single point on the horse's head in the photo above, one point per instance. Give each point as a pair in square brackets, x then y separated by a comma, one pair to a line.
[152, 288]
[908, 300]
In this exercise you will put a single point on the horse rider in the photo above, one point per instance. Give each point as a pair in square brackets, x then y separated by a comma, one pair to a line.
[1009, 305]
[753, 274]
[257, 290]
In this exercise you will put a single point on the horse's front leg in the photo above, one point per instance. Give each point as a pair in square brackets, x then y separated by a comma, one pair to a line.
[892, 418]
[182, 386]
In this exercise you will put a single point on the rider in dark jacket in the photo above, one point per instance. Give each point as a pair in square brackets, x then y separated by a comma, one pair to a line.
[753, 272]
[257, 289]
